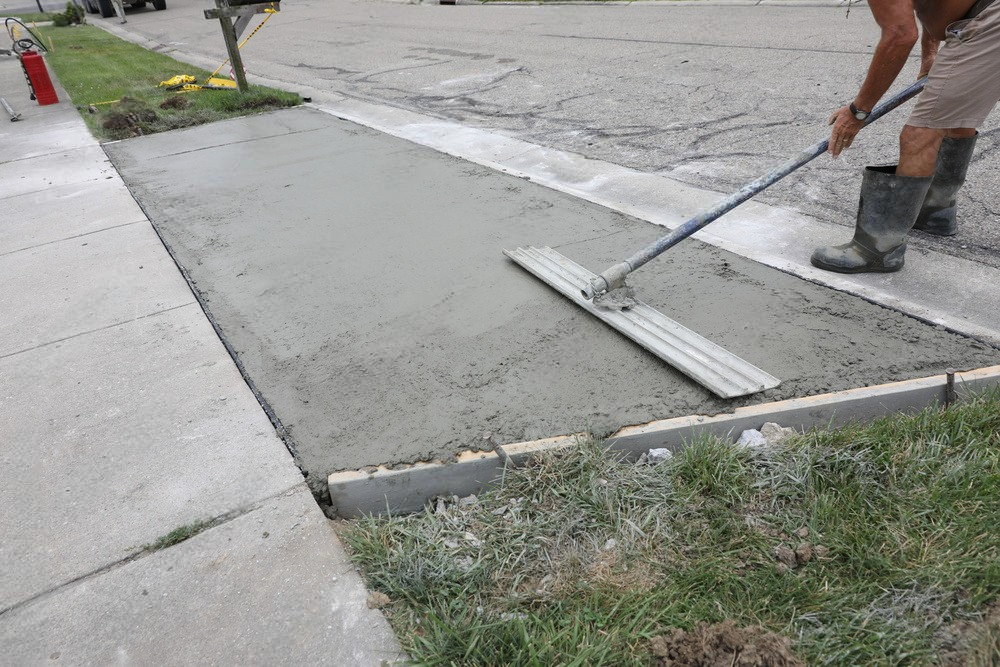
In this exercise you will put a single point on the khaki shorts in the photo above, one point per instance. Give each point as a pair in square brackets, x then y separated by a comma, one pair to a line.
[964, 83]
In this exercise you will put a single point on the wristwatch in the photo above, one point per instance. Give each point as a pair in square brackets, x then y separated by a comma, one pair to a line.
[860, 114]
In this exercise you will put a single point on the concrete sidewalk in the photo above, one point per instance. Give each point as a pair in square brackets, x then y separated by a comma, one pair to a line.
[122, 419]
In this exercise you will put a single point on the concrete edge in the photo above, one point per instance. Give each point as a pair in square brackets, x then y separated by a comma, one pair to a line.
[355, 493]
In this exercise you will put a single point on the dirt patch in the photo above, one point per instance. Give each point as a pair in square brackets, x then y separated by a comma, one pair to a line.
[129, 118]
[175, 102]
[256, 103]
[724, 645]
[972, 643]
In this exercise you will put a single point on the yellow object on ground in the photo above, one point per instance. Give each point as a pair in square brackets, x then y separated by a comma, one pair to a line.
[177, 81]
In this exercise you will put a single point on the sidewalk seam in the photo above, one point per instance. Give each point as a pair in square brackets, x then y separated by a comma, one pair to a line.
[70, 238]
[145, 551]
[90, 331]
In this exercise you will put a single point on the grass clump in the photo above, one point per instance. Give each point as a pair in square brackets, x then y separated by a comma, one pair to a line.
[873, 545]
[116, 85]
[178, 535]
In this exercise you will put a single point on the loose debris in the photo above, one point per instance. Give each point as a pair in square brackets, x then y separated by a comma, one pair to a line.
[724, 645]
[378, 600]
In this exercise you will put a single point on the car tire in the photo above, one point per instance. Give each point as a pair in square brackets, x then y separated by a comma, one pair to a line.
[90, 6]
[159, 4]
[106, 8]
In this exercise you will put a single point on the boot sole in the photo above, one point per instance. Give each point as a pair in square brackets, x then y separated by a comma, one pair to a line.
[860, 269]
[933, 233]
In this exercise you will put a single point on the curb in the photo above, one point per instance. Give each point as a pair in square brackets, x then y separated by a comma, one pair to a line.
[355, 493]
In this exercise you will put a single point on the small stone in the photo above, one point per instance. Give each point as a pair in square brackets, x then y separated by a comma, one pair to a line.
[610, 544]
[659, 455]
[775, 434]
[802, 532]
[472, 539]
[451, 544]
[751, 439]
[378, 600]
[782, 568]
[820, 551]
[804, 553]
[785, 555]
[468, 500]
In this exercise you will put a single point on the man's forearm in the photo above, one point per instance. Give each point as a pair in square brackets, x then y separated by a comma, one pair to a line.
[887, 62]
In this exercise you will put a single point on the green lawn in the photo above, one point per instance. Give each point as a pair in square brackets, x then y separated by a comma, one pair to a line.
[869, 545]
[115, 84]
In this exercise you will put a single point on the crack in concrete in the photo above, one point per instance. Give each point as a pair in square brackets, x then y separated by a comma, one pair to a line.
[748, 47]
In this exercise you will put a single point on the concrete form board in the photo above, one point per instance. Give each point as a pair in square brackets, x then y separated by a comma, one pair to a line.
[131, 431]
[269, 587]
[357, 493]
[360, 280]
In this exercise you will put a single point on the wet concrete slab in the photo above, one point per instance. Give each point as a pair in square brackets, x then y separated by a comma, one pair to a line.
[360, 280]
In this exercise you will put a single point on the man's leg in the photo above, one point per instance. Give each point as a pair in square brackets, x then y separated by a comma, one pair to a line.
[939, 213]
[919, 146]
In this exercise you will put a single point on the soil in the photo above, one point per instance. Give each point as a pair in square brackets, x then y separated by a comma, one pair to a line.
[972, 643]
[724, 645]
[175, 102]
[129, 118]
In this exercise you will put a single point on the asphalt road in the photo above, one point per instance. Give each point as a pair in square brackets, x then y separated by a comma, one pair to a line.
[709, 94]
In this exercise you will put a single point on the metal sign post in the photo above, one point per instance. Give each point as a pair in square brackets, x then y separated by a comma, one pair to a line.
[240, 10]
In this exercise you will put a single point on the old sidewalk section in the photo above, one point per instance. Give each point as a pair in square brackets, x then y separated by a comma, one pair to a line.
[123, 419]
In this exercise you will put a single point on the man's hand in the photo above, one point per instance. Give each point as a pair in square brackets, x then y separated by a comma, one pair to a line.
[845, 128]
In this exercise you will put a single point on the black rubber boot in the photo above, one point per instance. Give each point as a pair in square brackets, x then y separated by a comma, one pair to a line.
[937, 215]
[886, 212]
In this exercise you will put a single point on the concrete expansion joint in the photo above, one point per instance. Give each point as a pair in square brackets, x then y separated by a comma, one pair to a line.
[146, 550]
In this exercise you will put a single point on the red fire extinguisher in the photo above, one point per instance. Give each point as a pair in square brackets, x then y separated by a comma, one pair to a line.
[38, 79]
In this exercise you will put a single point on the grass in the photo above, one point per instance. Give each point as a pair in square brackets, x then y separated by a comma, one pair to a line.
[31, 17]
[115, 84]
[582, 559]
[178, 535]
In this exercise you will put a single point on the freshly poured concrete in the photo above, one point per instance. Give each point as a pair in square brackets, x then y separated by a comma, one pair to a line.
[360, 280]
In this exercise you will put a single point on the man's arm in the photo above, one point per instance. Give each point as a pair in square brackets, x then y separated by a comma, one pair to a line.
[899, 34]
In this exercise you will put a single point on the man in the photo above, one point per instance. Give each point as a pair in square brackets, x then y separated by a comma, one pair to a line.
[936, 143]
